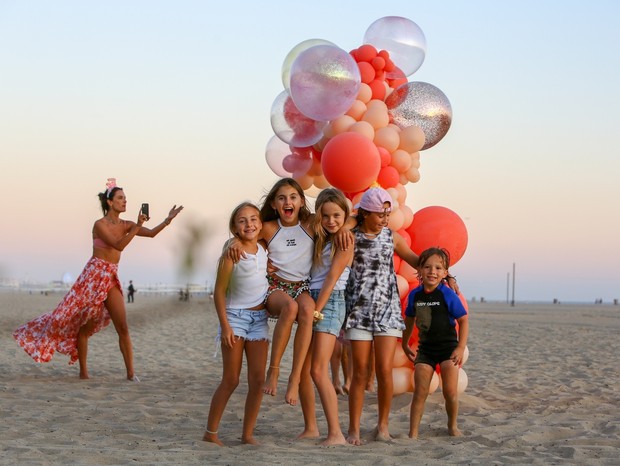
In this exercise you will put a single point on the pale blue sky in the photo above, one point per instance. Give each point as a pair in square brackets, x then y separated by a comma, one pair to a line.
[173, 99]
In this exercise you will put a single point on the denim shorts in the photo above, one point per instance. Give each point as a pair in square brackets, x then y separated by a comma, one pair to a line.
[249, 325]
[333, 313]
[368, 335]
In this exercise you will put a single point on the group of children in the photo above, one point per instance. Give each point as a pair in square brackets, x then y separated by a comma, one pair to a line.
[288, 263]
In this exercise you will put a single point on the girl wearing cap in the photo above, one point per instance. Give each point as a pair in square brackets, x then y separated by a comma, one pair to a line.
[96, 297]
[373, 307]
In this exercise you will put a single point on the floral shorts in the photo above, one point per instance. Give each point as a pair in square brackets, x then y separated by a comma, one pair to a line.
[293, 289]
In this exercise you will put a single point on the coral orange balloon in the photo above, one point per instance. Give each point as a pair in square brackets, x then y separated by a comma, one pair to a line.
[438, 226]
[367, 72]
[388, 177]
[350, 162]
[366, 53]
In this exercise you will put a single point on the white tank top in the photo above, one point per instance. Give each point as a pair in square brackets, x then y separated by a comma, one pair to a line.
[248, 282]
[290, 250]
[319, 272]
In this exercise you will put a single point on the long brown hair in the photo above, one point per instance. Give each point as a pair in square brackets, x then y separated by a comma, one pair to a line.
[268, 213]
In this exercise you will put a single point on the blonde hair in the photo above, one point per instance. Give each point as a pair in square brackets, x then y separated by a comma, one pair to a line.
[321, 237]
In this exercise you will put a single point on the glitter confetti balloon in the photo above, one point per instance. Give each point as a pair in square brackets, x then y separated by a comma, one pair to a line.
[421, 104]
[325, 81]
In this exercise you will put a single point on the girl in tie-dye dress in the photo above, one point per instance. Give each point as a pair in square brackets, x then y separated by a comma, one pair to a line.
[96, 297]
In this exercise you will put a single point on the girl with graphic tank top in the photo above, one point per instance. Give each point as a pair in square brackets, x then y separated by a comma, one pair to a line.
[239, 298]
[290, 242]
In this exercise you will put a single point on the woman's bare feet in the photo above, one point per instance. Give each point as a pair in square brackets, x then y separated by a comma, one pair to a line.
[271, 382]
[454, 432]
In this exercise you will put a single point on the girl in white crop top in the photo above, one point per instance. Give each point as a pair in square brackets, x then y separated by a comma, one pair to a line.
[290, 242]
[239, 297]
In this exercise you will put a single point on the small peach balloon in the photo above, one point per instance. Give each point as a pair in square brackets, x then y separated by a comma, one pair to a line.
[304, 180]
[400, 358]
[364, 128]
[407, 213]
[403, 285]
[465, 355]
[388, 138]
[365, 93]
[376, 114]
[407, 272]
[412, 138]
[463, 381]
[402, 193]
[401, 378]
[401, 160]
[357, 110]
[396, 220]
[413, 175]
[434, 383]
[339, 125]
[415, 160]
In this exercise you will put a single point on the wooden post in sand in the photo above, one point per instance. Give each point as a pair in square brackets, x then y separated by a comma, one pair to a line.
[512, 303]
[508, 288]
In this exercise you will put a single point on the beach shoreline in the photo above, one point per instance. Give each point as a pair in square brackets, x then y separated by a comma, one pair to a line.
[542, 389]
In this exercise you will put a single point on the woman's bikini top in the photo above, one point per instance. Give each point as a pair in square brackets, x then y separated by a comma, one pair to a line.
[99, 243]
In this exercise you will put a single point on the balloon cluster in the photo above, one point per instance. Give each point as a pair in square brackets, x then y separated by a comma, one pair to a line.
[352, 120]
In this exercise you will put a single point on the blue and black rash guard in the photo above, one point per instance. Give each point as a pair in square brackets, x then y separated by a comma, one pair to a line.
[435, 316]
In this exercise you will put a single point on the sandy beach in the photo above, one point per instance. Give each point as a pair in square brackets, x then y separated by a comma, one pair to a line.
[543, 389]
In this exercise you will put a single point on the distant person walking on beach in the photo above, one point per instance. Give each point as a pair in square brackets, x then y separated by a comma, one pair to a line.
[96, 297]
[435, 309]
[239, 297]
[130, 291]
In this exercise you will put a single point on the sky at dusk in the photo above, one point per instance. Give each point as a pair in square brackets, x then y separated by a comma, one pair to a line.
[173, 99]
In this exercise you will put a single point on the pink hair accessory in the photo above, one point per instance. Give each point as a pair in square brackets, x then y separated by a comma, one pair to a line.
[110, 185]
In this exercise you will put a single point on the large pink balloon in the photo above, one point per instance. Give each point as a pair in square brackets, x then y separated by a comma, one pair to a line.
[292, 126]
[325, 81]
[421, 104]
[402, 38]
[350, 162]
[438, 226]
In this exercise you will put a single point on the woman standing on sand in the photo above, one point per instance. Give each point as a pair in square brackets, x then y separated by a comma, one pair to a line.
[96, 296]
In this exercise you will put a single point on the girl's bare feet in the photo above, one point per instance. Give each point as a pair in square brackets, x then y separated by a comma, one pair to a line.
[336, 439]
[271, 382]
[249, 441]
[354, 438]
[309, 433]
[292, 392]
[211, 437]
[382, 435]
